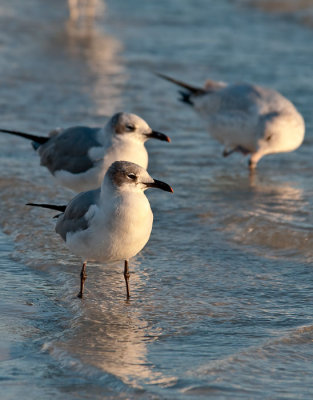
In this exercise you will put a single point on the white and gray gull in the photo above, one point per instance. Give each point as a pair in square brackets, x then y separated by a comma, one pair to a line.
[111, 223]
[78, 157]
[246, 118]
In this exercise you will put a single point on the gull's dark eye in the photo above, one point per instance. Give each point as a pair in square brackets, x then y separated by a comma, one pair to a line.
[130, 127]
[132, 176]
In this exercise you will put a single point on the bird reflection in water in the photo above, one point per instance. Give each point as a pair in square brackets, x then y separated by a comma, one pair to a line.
[98, 56]
[260, 212]
[82, 13]
[113, 335]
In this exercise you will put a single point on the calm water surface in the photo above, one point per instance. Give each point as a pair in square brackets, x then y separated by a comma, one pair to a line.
[222, 298]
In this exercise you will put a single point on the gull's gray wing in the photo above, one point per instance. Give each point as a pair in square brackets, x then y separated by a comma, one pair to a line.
[73, 219]
[69, 150]
[247, 98]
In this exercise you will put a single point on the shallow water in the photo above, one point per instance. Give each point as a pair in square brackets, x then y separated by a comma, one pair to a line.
[221, 301]
[299, 10]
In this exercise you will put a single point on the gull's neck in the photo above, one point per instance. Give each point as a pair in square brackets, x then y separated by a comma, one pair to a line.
[124, 139]
[108, 189]
[104, 137]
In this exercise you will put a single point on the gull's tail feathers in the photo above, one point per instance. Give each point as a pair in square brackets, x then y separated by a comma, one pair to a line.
[37, 141]
[186, 95]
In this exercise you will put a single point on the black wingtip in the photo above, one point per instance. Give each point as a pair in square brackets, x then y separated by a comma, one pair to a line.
[192, 89]
[37, 140]
[50, 206]
[36, 145]
[185, 97]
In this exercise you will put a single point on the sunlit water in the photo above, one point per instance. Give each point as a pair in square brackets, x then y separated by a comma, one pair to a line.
[222, 298]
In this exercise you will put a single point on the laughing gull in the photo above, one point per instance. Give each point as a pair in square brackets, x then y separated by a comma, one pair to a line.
[111, 223]
[78, 157]
[246, 118]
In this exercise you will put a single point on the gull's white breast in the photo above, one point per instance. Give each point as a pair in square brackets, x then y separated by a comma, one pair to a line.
[117, 231]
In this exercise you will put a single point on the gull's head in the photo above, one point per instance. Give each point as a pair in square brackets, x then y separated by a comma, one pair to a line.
[280, 134]
[127, 176]
[130, 126]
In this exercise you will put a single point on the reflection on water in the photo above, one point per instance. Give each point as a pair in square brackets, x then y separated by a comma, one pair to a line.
[263, 213]
[113, 336]
[68, 75]
[101, 54]
[83, 12]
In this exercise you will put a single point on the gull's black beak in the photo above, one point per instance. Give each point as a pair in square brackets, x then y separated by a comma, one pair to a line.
[160, 185]
[158, 135]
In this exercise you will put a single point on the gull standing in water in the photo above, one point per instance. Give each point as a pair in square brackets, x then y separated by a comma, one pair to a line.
[111, 223]
[246, 118]
[78, 157]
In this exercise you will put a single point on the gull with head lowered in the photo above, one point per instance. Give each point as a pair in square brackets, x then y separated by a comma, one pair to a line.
[78, 157]
[111, 223]
[246, 118]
